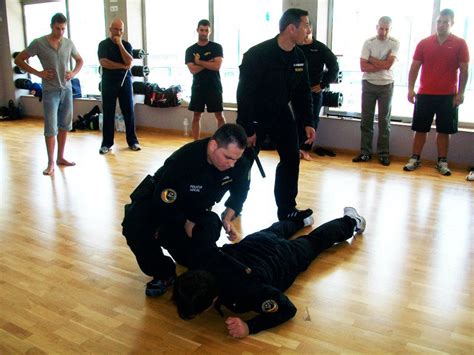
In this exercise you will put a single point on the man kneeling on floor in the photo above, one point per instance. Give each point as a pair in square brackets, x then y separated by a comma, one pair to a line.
[253, 274]
[172, 209]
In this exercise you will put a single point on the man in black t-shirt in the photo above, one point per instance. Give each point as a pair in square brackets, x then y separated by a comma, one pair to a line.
[115, 57]
[204, 60]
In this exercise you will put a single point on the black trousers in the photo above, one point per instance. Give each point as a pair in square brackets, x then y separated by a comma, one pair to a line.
[111, 90]
[307, 247]
[284, 136]
[146, 240]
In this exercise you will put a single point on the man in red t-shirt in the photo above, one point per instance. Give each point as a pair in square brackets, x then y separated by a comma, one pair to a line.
[440, 92]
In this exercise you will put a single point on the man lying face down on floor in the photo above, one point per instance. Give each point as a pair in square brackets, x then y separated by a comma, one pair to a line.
[253, 274]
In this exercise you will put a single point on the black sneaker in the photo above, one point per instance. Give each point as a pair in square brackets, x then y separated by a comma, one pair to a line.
[157, 287]
[295, 215]
[135, 147]
[362, 158]
[384, 160]
[323, 151]
[104, 150]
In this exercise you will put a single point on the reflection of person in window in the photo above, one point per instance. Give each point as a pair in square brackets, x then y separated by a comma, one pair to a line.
[319, 57]
[440, 56]
[204, 60]
[115, 57]
[376, 61]
[273, 75]
[54, 52]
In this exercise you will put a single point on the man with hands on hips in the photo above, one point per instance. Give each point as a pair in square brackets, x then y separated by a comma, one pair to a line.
[54, 52]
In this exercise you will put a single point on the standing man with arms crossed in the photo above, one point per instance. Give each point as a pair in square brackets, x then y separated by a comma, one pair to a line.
[115, 57]
[204, 60]
[319, 56]
[440, 56]
[273, 75]
[54, 52]
[376, 61]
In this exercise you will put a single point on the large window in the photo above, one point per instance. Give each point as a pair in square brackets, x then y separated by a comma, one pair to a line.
[86, 23]
[239, 25]
[409, 27]
[170, 29]
[86, 17]
[37, 24]
[464, 27]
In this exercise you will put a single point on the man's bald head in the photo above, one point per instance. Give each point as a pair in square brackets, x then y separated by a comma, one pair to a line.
[116, 28]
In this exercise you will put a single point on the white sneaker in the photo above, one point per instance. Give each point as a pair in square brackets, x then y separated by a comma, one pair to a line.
[412, 164]
[360, 221]
[442, 167]
[308, 221]
[470, 176]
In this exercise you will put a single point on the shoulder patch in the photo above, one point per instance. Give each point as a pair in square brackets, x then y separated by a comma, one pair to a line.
[169, 195]
[270, 306]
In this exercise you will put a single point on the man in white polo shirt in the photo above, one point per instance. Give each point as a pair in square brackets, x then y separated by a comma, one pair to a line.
[376, 61]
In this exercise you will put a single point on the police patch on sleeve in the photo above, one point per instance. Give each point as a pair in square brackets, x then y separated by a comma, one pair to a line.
[168, 195]
[270, 306]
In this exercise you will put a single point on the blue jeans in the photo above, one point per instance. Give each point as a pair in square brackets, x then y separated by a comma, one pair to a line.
[111, 90]
[57, 108]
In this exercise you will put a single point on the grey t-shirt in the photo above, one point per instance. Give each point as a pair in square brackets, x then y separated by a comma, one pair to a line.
[55, 59]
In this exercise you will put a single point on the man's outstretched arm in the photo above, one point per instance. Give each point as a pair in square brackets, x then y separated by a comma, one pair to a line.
[274, 308]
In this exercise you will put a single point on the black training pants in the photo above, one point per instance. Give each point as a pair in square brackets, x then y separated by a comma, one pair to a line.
[146, 240]
[284, 136]
[307, 247]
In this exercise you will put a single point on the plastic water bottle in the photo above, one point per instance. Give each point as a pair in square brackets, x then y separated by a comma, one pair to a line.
[121, 124]
[101, 121]
[186, 126]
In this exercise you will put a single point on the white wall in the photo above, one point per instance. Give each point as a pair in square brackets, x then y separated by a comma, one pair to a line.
[334, 133]
[11, 40]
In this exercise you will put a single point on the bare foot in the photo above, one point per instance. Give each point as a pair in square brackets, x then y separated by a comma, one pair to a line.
[65, 162]
[49, 170]
[305, 155]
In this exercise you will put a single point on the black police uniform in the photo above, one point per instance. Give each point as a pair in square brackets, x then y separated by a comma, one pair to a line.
[184, 188]
[271, 80]
[319, 57]
[112, 88]
[253, 274]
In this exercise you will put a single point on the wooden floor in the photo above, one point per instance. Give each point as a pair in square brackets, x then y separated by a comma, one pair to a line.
[69, 283]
